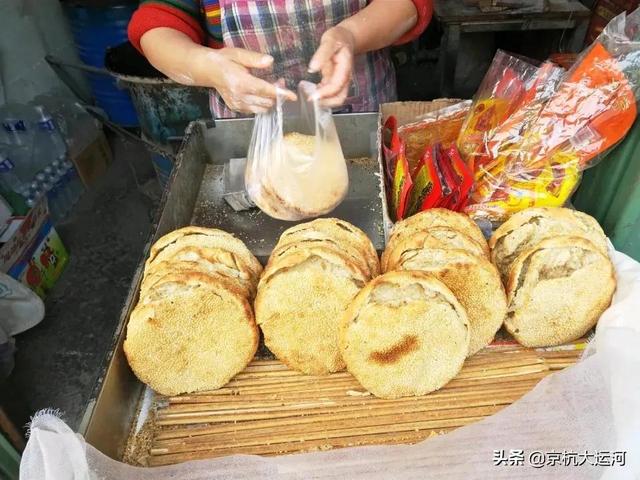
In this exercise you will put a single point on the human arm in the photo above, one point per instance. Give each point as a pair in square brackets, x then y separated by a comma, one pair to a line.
[380, 24]
[177, 51]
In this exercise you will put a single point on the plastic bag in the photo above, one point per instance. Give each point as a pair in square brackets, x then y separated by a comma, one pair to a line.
[512, 92]
[422, 166]
[295, 165]
[593, 406]
[441, 126]
[20, 308]
[535, 157]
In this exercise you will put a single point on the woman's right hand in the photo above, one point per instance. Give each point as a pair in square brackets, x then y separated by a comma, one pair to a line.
[226, 69]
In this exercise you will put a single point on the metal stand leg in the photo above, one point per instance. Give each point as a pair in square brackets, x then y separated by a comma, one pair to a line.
[576, 41]
[448, 59]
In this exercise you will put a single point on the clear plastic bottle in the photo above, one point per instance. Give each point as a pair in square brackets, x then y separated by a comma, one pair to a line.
[46, 123]
[59, 172]
[75, 183]
[48, 144]
[19, 149]
[17, 117]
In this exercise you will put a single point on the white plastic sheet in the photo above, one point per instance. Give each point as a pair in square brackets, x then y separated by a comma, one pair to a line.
[20, 308]
[592, 406]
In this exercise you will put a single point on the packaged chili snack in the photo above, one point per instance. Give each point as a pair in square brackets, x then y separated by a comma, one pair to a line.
[464, 178]
[447, 178]
[390, 147]
[402, 184]
[427, 187]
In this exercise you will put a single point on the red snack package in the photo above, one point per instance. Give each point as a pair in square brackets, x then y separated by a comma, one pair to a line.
[390, 147]
[464, 175]
[402, 184]
[447, 178]
[427, 188]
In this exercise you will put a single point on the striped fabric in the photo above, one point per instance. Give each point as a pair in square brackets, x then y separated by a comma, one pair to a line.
[206, 11]
[290, 31]
[211, 10]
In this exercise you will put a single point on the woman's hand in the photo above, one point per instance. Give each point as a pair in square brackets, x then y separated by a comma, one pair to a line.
[226, 69]
[334, 60]
[228, 72]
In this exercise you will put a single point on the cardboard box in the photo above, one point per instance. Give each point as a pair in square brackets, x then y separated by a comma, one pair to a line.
[407, 112]
[35, 254]
[93, 160]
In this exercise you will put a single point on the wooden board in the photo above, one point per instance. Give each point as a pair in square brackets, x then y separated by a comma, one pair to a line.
[269, 409]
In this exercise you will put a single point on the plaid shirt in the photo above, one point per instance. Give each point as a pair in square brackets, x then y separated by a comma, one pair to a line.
[290, 31]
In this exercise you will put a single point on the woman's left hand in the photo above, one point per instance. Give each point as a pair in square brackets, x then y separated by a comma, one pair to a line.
[334, 60]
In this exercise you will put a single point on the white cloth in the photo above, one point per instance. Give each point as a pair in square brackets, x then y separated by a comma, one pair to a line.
[20, 308]
[592, 406]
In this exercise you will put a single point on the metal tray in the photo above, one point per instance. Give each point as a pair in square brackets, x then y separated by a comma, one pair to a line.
[194, 196]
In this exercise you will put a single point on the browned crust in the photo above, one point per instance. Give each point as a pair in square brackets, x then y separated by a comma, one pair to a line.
[408, 344]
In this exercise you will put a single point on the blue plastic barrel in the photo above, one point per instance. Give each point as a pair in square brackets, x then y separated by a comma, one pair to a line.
[95, 29]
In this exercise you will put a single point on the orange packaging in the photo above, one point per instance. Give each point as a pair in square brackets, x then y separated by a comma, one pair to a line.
[442, 126]
[402, 185]
[427, 187]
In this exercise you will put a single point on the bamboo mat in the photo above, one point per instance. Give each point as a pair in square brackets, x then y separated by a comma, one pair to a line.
[268, 409]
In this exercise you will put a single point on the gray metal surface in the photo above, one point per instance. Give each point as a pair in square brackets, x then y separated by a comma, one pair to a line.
[194, 196]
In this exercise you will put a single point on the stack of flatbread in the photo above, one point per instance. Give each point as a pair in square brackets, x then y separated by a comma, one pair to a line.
[440, 300]
[193, 327]
[450, 246]
[404, 334]
[313, 274]
[559, 278]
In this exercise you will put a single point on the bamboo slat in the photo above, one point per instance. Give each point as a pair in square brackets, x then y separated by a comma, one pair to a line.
[269, 409]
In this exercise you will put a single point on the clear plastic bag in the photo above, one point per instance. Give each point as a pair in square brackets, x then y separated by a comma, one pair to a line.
[295, 165]
[536, 156]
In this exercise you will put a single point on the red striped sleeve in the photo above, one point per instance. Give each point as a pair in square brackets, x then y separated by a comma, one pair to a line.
[150, 16]
[425, 11]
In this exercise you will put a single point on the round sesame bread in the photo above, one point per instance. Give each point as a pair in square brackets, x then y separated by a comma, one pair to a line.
[293, 256]
[193, 332]
[557, 291]
[212, 256]
[166, 247]
[441, 217]
[473, 280]
[341, 231]
[324, 246]
[289, 189]
[174, 235]
[437, 237]
[298, 306]
[528, 227]
[404, 334]
[240, 279]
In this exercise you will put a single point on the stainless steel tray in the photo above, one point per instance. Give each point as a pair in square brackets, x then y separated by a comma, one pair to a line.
[194, 196]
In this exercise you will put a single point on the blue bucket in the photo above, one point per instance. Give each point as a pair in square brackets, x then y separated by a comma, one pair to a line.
[95, 29]
[163, 167]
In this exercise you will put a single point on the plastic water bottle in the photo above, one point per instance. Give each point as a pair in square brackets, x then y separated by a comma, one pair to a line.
[16, 117]
[42, 186]
[48, 144]
[75, 183]
[62, 186]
